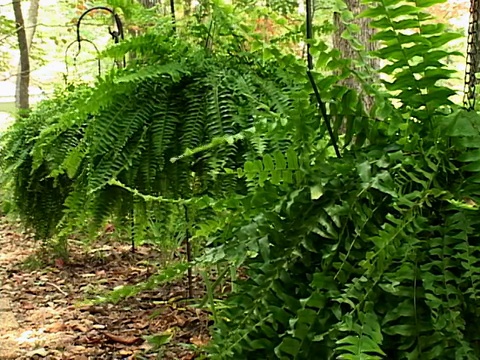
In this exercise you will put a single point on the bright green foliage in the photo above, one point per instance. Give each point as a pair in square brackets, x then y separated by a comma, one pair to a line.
[27, 167]
[414, 58]
[122, 292]
[7, 27]
[281, 6]
[373, 255]
[171, 98]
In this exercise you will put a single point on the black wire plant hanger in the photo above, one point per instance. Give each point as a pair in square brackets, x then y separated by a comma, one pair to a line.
[320, 103]
[472, 65]
[117, 34]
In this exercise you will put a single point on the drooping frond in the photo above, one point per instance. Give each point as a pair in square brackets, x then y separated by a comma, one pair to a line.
[135, 120]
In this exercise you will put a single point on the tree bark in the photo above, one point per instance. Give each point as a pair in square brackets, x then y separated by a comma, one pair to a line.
[187, 7]
[22, 101]
[348, 52]
[148, 4]
[30, 28]
[32, 21]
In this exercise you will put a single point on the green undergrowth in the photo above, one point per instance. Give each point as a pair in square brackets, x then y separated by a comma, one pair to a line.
[372, 254]
[167, 274]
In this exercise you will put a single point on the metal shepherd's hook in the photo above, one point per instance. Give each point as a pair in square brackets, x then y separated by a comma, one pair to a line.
[473, 56]
[99, 64]
[320, 103]
[116, 34]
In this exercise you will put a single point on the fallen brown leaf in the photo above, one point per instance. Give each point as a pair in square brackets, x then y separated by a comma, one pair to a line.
[141, 325]
[130, 340]
[199, 340]
[28, 306]
[180, 320]
[77, 349]
[81, 357]
[188, 357]
[125, 352]
[93, 339]
[79, 327]
[79, 331]
[37, 352]
[92, 309]
[56, 327]
[59, 263]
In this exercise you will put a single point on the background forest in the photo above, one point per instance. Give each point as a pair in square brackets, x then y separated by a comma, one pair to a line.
[308, 172]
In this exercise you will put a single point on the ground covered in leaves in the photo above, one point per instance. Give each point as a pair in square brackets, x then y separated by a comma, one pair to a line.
[43, 314]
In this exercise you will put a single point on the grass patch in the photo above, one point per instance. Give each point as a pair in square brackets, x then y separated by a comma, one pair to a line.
[8, 107]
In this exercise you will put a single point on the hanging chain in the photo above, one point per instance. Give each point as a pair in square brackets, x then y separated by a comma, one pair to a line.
[473, 61]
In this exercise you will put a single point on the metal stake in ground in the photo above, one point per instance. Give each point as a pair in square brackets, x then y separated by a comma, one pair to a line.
[473, 55]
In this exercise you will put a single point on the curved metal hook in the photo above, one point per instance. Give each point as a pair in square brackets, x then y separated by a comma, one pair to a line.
[118, 21]
[116, 35]
[78, 52]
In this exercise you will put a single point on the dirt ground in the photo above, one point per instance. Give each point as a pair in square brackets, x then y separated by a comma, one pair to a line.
[43, 314]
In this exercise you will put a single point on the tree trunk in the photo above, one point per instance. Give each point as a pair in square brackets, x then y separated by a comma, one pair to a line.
[22, 101]
[148, 4]
[32, 21]
[187, 7]
[348, 52]
[30, 28]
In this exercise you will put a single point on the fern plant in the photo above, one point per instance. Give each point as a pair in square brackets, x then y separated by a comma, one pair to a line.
[371, 256]
[38, 196]
[132, 123]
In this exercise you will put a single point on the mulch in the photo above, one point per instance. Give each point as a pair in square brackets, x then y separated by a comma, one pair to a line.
[52, 319]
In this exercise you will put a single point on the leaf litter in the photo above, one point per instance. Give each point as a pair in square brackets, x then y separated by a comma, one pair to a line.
[44, 315]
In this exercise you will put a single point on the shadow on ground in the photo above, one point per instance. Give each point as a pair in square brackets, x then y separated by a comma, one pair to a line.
[42, 316]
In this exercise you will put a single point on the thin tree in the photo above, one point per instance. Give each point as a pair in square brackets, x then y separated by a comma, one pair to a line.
[24, 82]
[363, 36]
[30, 29]
[187, 7]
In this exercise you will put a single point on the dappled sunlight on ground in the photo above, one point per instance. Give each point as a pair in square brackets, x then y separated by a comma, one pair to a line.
[42, 315]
